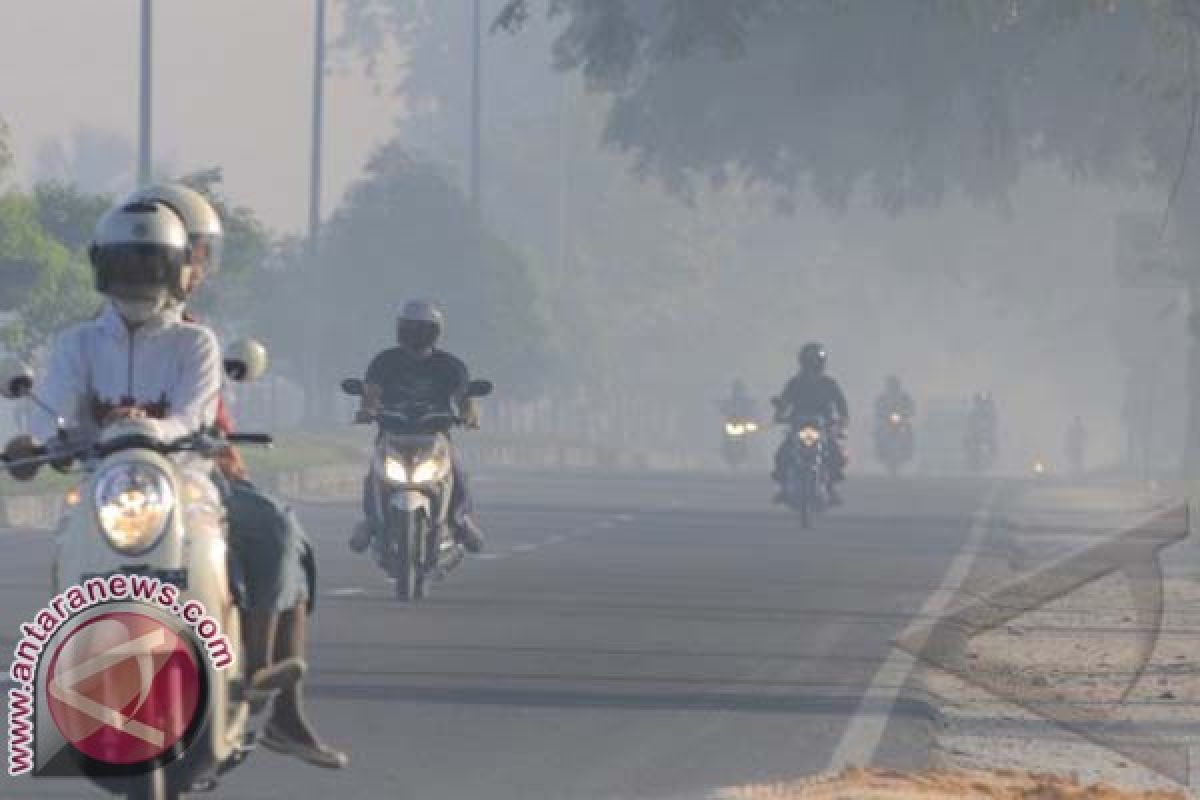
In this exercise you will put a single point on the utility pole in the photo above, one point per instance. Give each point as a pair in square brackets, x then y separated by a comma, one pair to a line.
[318, 113]
[476, 103]
[314, 350]
[145, 99]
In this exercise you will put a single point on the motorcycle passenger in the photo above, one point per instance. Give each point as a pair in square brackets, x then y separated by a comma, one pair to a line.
[416, 370]
[267, 542]
[894, 399]
[812, 393]
[739, 404]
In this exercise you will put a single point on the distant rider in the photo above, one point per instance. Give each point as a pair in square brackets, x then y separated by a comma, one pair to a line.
[739, 404]
[1076, 445]
[894, 400]
[416, 370]
[812, 393]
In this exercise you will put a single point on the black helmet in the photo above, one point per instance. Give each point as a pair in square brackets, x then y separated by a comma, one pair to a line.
[813, 357]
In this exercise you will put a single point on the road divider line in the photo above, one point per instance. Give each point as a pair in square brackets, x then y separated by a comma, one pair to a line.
[863, 735]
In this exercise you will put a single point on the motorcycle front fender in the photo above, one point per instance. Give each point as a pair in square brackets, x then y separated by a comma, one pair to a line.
[409, 501]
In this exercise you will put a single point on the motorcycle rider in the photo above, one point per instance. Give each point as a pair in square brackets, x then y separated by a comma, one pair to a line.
[812, 393]
[894, 400]
[739, 404]
[266, 539]
[417, 370]
[1076, 445]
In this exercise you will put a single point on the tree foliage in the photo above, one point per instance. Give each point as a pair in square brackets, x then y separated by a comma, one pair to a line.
[405, 230]
[907, 99]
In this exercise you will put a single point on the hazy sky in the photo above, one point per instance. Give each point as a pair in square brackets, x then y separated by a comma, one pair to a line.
[232, 87]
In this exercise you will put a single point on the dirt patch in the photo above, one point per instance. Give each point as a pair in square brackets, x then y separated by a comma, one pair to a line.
[873, 784]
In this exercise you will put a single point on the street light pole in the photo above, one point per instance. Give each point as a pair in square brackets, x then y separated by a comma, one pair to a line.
[145, 99]
[313, 349]
[476, 103]
[318, 113]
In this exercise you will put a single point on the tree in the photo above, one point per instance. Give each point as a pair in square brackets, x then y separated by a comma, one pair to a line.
[47, 284]
[69, 214]
[404, 230]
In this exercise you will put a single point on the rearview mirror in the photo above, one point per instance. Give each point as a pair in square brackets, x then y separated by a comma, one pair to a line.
[479, 388]
[245, 360]
[16, 379]
[352, 387]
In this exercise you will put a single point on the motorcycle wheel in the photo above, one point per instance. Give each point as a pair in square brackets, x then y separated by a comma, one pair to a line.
[407, 534]
[808, 497]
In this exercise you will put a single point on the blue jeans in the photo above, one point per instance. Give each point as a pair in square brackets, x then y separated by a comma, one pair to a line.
[269, 547]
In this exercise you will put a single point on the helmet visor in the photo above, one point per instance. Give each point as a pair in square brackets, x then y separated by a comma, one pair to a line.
[417, 334]
[135, 268]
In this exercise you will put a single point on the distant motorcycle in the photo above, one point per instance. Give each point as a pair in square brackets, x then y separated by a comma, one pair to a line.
[735, 446]
[980, 451]
[894, 443]
[413, 476]
[806, 471]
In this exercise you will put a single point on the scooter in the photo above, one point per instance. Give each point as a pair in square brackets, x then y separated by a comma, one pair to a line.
[894, 441]
[149, 508]
[735, 447]
[411, 482]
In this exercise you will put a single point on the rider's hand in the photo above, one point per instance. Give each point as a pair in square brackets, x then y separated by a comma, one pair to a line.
[363, 416]
[470, 415]
[232, 465]
[123, 413]
[20, 448]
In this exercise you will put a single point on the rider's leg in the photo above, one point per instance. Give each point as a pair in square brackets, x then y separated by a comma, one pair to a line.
[466, 529]
[361, 537]
[289, 730]
[261, 534]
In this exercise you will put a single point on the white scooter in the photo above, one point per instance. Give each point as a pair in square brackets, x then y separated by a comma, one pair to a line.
[148, 507]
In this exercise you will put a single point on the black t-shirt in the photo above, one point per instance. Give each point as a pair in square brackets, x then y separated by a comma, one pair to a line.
[437, 379]
[815, 396]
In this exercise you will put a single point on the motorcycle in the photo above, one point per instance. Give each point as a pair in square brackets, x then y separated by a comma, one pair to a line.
[148, 507]
[980, 451]
[413, 479]
[894, 440]
[806, 472]
[735, 447]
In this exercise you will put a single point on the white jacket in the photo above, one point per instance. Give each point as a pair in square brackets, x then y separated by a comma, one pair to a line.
[170, 367]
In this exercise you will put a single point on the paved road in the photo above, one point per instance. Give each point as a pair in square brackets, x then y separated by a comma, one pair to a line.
[624, 638]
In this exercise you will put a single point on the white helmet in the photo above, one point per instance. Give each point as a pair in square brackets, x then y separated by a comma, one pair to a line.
[205, 233]
[419, 325]
[139, 249]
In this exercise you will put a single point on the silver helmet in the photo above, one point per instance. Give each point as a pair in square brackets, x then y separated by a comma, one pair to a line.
[206, 235]
[419, 325]
[139, 253]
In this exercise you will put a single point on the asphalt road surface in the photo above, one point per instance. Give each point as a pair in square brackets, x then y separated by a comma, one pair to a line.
[624, 637]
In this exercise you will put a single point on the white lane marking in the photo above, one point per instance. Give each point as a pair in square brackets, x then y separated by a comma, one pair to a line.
[491, 556]
[346, 591]
[523, 548]
[862, 736]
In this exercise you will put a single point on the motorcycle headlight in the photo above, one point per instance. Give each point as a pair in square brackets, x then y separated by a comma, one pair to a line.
[751, 427]
[133, 504]
[809, 436]
[734, 428]
[431, 470]
[394, 470]
[896, 419]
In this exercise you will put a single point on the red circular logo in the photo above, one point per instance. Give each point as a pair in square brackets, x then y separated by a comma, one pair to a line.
[124, 688]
